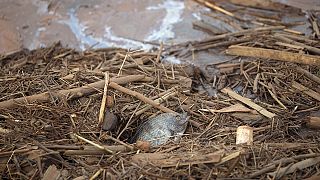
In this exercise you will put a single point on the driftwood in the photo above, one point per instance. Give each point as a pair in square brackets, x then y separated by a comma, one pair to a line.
[298, 38]
[94, 144]
[306, 90]
[215, 7]
[272, 166]
[208, 152]
[240, 33]
[69, 93]
[140, 97]
[104, 99]
[226, 43]
[248, 102]
[308, 74]
[175, 160]
[273, 54]
[207, 28]
[290, 41]
[297, 166]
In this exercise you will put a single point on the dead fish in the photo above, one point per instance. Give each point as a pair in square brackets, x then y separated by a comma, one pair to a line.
[159, 129]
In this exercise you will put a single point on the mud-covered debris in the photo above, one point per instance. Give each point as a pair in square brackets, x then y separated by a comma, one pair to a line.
[110, 121]
[159, 129]
[143, 145]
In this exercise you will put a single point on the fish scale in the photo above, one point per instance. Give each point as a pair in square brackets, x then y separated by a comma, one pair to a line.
[159, 129]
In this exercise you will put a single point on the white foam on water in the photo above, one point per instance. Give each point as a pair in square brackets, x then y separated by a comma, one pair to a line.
[35, 41]
[172, 59]
[174, 10]
[197, 16]
[125, 43]
[78, 30]
[108, 39]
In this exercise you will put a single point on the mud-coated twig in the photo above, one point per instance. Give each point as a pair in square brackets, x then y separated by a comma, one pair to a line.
[140, 97]
[71, 93]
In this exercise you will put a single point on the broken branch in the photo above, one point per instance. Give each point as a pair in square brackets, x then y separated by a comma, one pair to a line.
[139, 96]
[273, 54]
[248, 102]
[72, 93]
[306, 90]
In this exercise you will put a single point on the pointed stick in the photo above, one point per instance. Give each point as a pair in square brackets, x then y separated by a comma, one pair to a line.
[94, 144]
[104, 99]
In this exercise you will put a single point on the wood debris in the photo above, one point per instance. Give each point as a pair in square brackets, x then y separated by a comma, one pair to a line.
[175, 160]
[248, 102]
[50, 101]
[273, 54]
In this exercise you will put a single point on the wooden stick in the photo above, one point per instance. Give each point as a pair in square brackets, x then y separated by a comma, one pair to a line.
[71, 93]
[94, 144]
[92, 150]
[205, 27]
[124, 60]
[289, 146]
[175, 159]
[269, 167]
[96, 174]
[226, 43]
[298, 38]
[159, 53]
[120, 142]
[290, 41]
[228, 35]
[255, 83]
[217, 8]
[14, 152]
[289, 45]
[306, 90]
[139, 96]
[240, 33]
[315, 28]
[293, 31]
[230, 157]
[104, 99]
[273, 54]
[159, 100]
[248, 102]
[308, 74]
[299, 165]
[274, 96]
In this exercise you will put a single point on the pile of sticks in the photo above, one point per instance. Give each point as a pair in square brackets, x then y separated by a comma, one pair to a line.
[67, 114]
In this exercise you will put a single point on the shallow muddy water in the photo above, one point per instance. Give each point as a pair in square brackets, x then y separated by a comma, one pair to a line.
[131, 24]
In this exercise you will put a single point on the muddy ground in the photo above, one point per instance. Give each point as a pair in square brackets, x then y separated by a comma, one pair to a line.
[128, 24]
